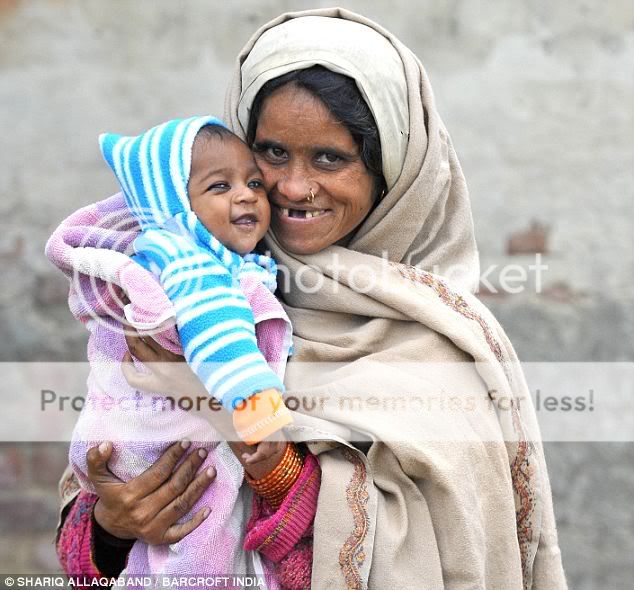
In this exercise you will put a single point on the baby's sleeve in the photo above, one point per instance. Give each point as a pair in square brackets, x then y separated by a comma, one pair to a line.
[217, 331]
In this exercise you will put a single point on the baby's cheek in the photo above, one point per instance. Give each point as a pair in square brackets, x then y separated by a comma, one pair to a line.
[266, 213]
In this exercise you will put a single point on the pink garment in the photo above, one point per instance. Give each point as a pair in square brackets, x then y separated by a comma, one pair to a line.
[74, 544]
[91, 248]
[285, 534]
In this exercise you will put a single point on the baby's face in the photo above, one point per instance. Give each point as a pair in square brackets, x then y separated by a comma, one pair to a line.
[226, 192]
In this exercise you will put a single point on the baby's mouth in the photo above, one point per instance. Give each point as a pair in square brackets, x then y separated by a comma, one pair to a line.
[246, 219]
[302, 213]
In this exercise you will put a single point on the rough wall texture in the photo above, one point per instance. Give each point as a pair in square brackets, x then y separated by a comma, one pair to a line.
[538, 97]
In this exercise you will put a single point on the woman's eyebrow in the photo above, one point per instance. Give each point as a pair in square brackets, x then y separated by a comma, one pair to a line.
[270, 143]
[267, 143]
[342, 153]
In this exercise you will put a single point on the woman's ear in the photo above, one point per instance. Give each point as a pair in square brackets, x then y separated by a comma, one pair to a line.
[380, 189]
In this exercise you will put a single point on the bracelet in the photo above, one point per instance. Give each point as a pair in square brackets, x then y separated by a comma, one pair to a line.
[274, 486]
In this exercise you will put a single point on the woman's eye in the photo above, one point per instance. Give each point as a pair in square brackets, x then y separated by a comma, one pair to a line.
[276, 153]
[328, 158]
[271, 153]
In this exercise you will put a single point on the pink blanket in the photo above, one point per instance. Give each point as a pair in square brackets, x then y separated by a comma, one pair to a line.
[91, 247]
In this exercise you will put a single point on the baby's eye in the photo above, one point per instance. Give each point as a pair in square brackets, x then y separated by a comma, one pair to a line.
[219, 186]
[256, 184]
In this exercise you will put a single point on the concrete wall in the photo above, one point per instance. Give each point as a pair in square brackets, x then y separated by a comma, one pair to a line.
[538, 97]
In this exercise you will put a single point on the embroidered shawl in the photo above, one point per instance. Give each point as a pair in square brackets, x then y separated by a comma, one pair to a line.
[456, 499]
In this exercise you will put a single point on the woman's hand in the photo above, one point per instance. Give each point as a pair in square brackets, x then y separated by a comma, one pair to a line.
[148, 506]
[169, 373]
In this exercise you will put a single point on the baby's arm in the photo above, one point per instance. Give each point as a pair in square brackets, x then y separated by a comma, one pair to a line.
[216, 327]
[261, 416]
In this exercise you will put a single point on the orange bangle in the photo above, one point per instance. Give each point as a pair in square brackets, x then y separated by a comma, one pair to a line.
[274, 486]
[290, 462]
[276, 496]
[272, 475]
[288, 477]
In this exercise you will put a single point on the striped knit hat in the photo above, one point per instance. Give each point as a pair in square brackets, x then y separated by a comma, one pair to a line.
[153, 168]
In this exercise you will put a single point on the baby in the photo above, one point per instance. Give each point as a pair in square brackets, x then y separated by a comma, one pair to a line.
[198, 196]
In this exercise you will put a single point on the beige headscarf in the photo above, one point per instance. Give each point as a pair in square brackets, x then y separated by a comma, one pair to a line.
[425, 218]
[469, 505]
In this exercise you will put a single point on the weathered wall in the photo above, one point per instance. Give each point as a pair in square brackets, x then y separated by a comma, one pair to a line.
[538, 97]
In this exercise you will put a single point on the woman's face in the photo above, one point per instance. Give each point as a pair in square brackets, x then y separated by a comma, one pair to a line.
[299, 146]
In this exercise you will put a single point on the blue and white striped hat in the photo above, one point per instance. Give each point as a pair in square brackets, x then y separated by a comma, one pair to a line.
[153, 168]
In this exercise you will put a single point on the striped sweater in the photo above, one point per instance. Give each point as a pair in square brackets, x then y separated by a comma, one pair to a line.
[199, 274]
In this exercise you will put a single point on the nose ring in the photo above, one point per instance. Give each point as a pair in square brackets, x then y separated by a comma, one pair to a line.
[311, 199]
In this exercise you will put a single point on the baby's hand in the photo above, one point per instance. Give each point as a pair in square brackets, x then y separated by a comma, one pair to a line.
[264, 450]
[259, 460]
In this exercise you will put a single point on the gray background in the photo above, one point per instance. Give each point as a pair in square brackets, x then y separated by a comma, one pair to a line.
[538, 98]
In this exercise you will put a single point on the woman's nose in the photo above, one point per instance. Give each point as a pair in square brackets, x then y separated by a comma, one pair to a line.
[295, 187]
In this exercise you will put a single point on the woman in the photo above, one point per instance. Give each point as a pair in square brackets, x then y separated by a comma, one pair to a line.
[458, 499]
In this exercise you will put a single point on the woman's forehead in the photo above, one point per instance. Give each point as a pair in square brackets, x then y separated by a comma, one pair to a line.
[361, 51]
[296, 114]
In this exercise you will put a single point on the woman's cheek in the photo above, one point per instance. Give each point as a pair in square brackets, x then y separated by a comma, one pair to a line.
[360, 193]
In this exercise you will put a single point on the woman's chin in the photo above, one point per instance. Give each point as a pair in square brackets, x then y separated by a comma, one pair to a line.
[301, 238]
[298, 247]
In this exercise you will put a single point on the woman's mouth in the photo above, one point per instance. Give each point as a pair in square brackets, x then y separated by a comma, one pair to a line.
[302, 213]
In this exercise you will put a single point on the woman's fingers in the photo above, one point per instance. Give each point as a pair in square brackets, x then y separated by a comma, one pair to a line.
[142, 381]
[139, 348]
[167, 372]
[155, 347]
[147, 506]
[148, 350]
[162, 354]
[97, 464]
[177, 531]
[181, 480]
[156, 475]
[182, 503]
